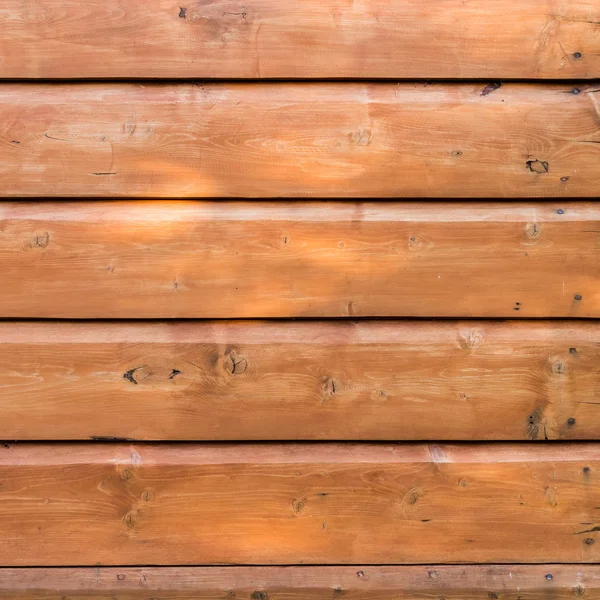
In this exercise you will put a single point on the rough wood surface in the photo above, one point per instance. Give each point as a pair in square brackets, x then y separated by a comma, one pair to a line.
[312, 38]
[510, 582]
[118, 504]
[299, 140]
[306, 259]
[304, 380]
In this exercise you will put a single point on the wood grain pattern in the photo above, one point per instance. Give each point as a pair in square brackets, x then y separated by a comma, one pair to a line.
[256, 260]
[308, 380]
[277, 140]
[312, 38]
[118, 504]
[510, 582]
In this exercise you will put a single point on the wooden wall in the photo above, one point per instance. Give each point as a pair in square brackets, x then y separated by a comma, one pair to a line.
[299, 300]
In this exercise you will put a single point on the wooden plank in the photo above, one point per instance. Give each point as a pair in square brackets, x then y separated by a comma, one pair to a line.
[299, 140]
[472, 582]
[114, 260]
[308, 380]
[312, 38]
[177, 504]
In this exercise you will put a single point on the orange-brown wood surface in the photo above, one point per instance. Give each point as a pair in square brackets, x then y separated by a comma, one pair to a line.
[305, 259]
[297, 140]
[312, 38]
[118, 504]
[510, 582]
[302, 380]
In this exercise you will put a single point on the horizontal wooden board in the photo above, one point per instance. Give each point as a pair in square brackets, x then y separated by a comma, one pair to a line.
[304, 380]
[176, 504]
[472, 582]
[116, 260]
[312, 38]
[297, 140]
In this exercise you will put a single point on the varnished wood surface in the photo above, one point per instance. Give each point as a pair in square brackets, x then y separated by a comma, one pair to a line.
[119, 504]
[378, 140]
[261, 380]
[114, 260]
[471, 582]
[312, 38]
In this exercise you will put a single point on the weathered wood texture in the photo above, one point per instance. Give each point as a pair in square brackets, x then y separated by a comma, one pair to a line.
[297, 140]
[509, 582]
[118, 504]
[312, 38]
[305, 259]
[303, 380]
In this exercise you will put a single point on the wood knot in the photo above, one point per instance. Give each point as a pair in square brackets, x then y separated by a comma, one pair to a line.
[491, 87]
[129, 520]
[330, 388]
[533, 231]
[259, 595]
[472, 339]
[40, 241]
[298, 505]
[559, 368]
[413, 495]
[550, 496]
[126, 475]
[235, 364]
[360, 137]
[538, 166]
[130, 375]
[536, 426]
